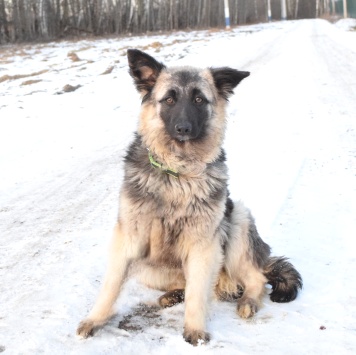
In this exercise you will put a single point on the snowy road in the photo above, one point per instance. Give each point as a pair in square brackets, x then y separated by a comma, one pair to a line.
[291, 146]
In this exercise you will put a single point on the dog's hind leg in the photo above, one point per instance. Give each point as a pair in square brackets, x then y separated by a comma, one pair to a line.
[162, 277]
[242, 282]
[248, 262]
[171, 298]
[254, 288]
[227, 289]
[159, 277]
[124, 249]
[245, 257]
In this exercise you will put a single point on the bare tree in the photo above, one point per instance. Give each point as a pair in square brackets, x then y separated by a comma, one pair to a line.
[28, 20]
[4, 29]
[296, 8]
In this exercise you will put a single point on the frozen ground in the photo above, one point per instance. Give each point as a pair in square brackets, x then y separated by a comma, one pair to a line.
[291, 144]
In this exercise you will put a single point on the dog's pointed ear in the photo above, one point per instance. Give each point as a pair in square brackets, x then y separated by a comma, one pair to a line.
[144, 69]
[226, 79]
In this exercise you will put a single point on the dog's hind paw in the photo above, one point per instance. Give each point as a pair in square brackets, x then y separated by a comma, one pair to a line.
[247, 308]
[171, 298]
[196, 337]
[86, 328]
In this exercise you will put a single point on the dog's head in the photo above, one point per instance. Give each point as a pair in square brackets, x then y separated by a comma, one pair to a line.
[186, 103]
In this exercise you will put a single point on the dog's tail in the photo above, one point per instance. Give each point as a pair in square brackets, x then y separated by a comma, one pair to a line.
[284, 279]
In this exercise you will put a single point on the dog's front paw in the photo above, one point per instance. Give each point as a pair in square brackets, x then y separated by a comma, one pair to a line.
[196, 337]
[247, 308]
[86, 328]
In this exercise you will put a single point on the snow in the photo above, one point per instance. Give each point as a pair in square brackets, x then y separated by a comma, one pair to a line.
[291, 146]
[348, 24]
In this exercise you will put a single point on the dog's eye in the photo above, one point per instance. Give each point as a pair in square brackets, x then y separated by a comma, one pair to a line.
[198, 100]
[169, 100]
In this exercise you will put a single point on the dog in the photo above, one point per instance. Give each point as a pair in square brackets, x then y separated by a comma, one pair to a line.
[178, 229]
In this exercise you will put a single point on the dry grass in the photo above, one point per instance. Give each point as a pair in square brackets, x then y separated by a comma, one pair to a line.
[215, 30]
[30, 82]
[108, 70]
[85, 48]
[21, 76]
[177, 41]
[73, 57]
[154, 45]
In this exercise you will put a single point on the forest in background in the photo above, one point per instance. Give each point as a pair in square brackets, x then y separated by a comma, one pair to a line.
[43, 20]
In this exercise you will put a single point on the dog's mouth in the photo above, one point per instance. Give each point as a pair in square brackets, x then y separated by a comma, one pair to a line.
[182, 138]
[186, 137]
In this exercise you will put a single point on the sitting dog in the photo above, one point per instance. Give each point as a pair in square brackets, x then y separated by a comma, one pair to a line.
[177, 226]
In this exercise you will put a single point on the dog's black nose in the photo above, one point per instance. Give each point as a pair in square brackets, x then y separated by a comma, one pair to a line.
[183, 128]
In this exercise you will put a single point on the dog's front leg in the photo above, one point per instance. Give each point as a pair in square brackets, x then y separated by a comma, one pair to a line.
[123, 250]
[201, 268]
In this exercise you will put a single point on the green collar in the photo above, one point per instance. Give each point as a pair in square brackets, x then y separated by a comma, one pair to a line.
[160, 166]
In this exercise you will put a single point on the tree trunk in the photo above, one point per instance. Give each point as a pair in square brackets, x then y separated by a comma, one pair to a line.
[296, 9]
[333, 7]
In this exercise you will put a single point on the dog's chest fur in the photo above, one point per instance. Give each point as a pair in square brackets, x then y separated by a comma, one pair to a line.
[177, 203]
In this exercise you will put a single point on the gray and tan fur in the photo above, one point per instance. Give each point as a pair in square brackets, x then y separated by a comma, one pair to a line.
[183, 234]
